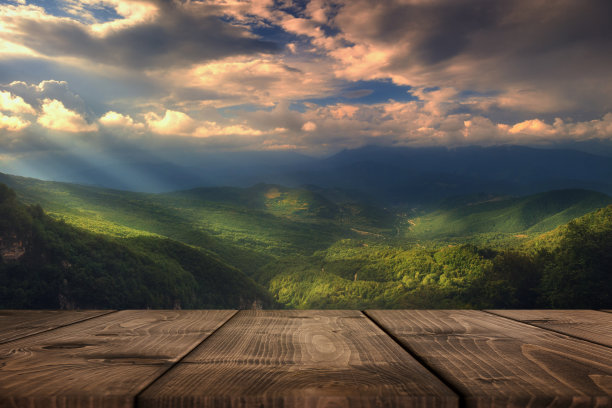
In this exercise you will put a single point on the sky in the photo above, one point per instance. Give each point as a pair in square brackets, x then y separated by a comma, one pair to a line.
[97, 78]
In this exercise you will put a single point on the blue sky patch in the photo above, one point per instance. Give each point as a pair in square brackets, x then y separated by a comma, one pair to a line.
[368, 92]
[60, 9]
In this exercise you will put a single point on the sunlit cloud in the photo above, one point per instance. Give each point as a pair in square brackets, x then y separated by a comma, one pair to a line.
[256, 80]
[133, 13]
[176, 123]
[55, 116]
[209, 129]
[309, 126]
[532, 127]
[117, 120]
[14, 104]
[172, 123]
[12, 123]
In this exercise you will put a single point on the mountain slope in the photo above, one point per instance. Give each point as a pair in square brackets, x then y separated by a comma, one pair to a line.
[246, 227]
[577, 269]
[45, 263]
[530, 214]
[128, 214]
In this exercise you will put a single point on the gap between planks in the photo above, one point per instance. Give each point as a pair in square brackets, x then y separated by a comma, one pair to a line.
[497, 362]
[421, 361]
[35, 333]
[101, 362]
[294, 358]
[529, 322]
[136, 397]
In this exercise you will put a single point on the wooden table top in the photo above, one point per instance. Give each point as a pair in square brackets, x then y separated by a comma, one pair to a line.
[305, 358]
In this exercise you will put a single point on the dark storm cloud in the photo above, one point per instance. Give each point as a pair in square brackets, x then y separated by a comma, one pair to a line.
[543, 56]
[180, 34]
[439, 30]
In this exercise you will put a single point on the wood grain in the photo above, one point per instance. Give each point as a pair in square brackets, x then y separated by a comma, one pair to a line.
[493, 361]
[15, 324]
[105, 361]
[298, 359]
[589, 325]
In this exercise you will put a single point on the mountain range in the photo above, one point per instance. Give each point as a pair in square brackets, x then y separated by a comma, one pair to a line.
[388, 175]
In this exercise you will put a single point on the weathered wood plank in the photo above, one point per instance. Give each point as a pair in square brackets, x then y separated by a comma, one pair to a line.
[494, 361]
[589, 325]
[105, 361]
[298, 359]
[15, 324]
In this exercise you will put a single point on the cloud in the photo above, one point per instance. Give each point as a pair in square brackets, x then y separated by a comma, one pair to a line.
[173, 123]
[156, 34]
[522, 63]
[14, 104]
[309, 126]
[534, 127]
[554, 64]
[538, 131]
[344, 111]
[176, 123]
[55, 116]
[33, 94]
[117, 120]
[209, 129]
[258, 80]
[13, 123]
[132, 13]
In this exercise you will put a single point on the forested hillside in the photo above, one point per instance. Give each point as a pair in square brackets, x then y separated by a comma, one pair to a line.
[49, 264]
[487, 214]
[570, 267]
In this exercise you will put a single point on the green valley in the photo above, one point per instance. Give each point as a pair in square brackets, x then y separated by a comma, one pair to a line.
[309, 247]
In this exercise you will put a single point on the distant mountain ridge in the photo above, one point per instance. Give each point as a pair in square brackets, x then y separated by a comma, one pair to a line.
[388, 175]
[429, 175]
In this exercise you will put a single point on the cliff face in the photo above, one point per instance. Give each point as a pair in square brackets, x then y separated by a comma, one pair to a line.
[11, 248]
[13, 222]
